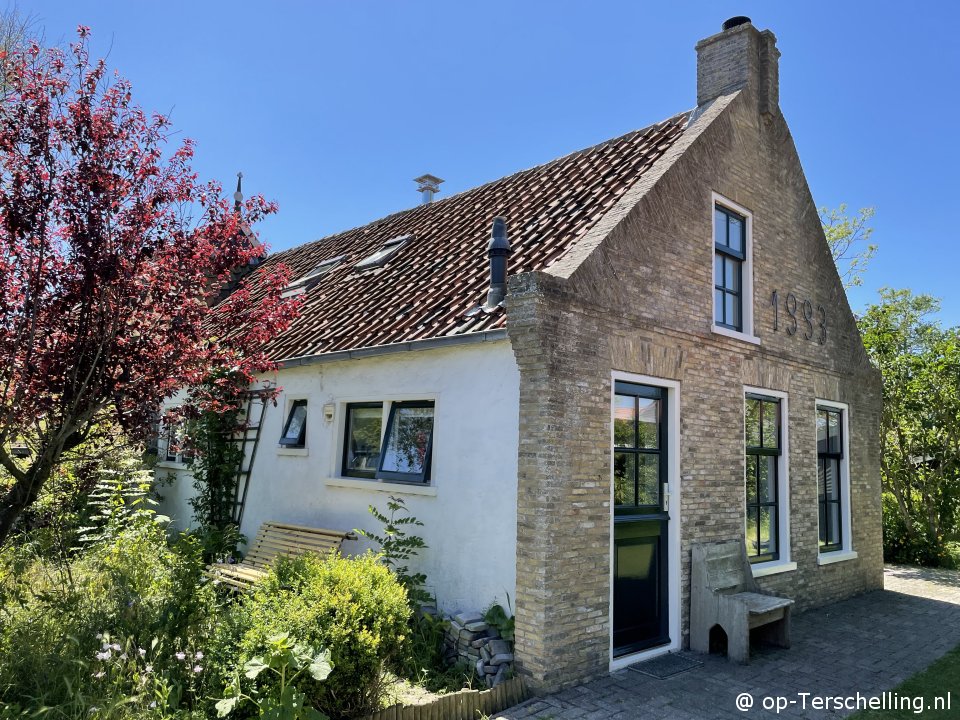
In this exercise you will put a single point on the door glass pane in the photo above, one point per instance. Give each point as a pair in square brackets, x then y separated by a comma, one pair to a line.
[736, 234]
[649, 483]
[624, 474]
[771, 415]
[753, 548]
[649, 423]
[751, 479]
[624, 417]
[768, 531]
[752, 408]
[409, 439]
[363, 438]
[833, 420]
[720, 227]
[768, 478]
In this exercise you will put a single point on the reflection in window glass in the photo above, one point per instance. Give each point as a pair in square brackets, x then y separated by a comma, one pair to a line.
[407, 443]
[762, 463]
[362, 445]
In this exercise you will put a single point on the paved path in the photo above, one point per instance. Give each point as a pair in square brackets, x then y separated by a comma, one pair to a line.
[869, 644]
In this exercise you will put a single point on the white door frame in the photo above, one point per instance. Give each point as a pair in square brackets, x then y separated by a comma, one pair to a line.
[673, 508]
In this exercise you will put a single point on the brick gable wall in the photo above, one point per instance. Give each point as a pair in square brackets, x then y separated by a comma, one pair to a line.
[641, 302]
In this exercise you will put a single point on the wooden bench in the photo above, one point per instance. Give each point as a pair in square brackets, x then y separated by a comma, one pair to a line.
[275, 540]
[724, 594]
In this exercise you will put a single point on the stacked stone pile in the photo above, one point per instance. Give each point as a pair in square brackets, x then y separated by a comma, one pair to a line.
[471, 640]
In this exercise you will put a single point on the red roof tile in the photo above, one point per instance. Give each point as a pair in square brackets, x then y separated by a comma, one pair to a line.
[442, 272]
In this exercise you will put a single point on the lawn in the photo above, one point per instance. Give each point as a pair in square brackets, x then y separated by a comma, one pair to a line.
[935, 682]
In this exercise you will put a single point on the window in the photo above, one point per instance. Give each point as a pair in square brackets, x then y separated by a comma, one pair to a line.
[830, 477]
[169, 442]
[295, 430]
[764, 448]
[298, 287]
[401, 454]
[638, 442]
[384, 254]
[729, 259]
[406, 455]
[361, 447]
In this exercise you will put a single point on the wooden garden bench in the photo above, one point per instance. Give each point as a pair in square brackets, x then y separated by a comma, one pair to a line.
[275, 540]
[723, 593]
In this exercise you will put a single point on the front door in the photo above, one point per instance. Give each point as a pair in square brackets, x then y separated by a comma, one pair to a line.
[640, 587]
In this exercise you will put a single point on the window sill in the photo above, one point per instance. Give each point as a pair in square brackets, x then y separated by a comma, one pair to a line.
[380, 486]
[753, 340]
[171, 465]
[772, 568]
[836, 556]
[293, 451]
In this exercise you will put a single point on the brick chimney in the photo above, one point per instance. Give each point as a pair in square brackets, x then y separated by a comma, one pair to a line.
[740, 57]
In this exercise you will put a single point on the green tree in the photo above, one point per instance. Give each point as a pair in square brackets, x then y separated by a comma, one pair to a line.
[920, 426]
[848, 238]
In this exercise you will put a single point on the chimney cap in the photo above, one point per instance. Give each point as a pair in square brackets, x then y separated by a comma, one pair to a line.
[735, 22]
[428, 182]
[498, 236]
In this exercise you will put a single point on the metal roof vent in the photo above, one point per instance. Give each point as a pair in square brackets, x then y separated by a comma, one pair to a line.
[498, 250]
[428, 185]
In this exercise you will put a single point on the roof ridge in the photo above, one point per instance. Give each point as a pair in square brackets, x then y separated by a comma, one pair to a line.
[476, 188]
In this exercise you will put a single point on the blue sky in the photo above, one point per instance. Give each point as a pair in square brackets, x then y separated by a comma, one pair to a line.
[331, 108]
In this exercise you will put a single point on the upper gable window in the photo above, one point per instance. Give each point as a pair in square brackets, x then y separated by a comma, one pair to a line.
[729, 240]
[384, 254]
[732, 270]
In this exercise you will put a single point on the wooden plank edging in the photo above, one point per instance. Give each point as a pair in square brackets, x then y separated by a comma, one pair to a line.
[460, 705]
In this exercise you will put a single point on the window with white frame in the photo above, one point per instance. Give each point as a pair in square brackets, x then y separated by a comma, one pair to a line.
[732, 269]
[389, 441]
[766, 480]
[832, 477]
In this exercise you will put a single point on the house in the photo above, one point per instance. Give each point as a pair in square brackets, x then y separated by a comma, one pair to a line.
[653, 349]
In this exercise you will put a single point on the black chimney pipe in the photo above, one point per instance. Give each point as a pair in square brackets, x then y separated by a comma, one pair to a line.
[498, 250]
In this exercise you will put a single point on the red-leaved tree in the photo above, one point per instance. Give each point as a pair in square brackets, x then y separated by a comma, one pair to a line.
[113, 257]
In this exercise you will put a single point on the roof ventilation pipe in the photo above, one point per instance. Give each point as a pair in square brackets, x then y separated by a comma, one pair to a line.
[428, 186]
[498, 250]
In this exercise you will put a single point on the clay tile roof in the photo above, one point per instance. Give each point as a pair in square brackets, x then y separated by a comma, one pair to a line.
[442, 272]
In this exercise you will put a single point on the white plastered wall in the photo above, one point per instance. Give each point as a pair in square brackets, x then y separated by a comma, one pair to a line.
[469, 510]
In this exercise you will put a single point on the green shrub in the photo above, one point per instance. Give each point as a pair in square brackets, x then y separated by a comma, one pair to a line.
[916, 548]
[132, 586]
[354, 607]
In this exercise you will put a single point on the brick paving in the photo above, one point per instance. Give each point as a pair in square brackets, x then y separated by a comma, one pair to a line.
[867, 644]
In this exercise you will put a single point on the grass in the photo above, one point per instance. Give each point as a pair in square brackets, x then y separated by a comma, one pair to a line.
[934, 682]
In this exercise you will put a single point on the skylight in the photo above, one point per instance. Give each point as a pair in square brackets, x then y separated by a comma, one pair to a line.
[298, 287]
[384, 254]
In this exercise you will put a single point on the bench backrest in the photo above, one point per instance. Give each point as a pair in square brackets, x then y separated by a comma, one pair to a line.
[722, 568]
[282, 540]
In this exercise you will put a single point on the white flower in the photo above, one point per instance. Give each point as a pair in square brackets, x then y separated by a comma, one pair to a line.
[123, 657]
[148, 668]
[197, 668]
[105, 655]
[116, 647]
[99, 674]
[181, 655]
[199, 655]
[142, 652]
[153, 704]
[99, 636]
